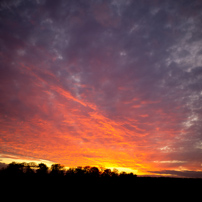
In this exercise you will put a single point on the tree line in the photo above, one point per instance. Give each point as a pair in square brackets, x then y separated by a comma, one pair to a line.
[58, 170]
[39, 179]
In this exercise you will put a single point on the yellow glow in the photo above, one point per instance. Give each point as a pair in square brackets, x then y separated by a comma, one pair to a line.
[123, 169]
[11, 158]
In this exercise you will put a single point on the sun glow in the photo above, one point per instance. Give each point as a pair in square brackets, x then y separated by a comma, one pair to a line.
[11, 158]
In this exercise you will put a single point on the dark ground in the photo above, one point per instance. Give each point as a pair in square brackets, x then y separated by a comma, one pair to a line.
[90, 183]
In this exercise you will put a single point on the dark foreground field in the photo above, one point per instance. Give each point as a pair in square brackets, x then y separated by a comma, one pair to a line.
[91, 183]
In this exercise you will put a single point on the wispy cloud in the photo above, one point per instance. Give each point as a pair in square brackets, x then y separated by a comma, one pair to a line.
[185, 173]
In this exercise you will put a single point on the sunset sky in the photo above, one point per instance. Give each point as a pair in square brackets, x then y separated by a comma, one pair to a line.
[111, 83]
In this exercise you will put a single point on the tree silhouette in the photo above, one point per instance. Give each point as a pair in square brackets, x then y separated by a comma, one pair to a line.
[15, 169]
[79, 171]
[94, 172]
[107, 173]
[28, 170]
[31, 178]
[43, 169]
[56, 169]
[27, 175]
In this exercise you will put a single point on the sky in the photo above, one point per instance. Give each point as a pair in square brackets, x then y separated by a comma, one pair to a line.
[111, 83]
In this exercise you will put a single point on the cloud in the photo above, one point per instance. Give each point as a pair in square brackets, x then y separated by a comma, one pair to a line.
[9, 4]
[186, 173]
[115, 81]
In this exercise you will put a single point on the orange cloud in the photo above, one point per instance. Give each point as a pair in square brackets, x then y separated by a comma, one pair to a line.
[58, 125]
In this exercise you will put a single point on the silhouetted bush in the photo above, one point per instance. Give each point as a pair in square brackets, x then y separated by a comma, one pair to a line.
[42, 169]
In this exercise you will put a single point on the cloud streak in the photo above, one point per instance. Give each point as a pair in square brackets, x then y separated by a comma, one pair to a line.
[184, 174]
